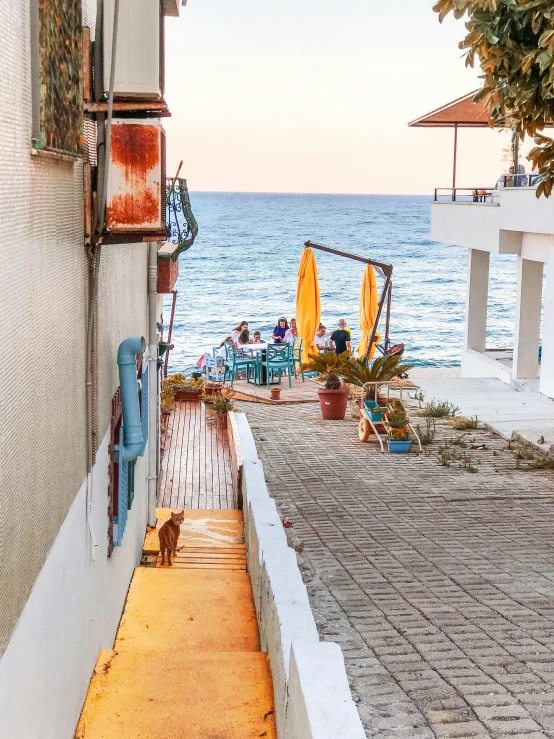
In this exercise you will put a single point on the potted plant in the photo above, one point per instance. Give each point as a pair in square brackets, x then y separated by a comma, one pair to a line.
[398, 441]
[222, 404]
[383, 369]
[184, 389]
[333, 397]
[275, 393]
[167, 397]
[212, 388]
[396, 417]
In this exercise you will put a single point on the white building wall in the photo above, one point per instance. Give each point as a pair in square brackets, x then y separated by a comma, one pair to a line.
[72, 613]
[518, 224]
[58, 604]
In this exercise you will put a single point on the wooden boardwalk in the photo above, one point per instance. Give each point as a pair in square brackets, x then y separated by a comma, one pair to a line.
[300, 392]
[196, 462]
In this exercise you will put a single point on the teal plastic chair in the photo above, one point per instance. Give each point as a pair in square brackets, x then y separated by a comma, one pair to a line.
[278, 359]
[296, 358]
[235, 364]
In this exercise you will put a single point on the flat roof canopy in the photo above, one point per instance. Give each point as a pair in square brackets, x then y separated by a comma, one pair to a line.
[462, 112]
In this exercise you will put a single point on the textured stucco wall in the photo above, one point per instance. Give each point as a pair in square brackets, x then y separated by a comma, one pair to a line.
[72, 613]
[43, 294]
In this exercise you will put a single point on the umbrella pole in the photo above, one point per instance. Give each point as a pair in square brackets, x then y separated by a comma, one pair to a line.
[387, 326]
[378, 316]
[454, 163]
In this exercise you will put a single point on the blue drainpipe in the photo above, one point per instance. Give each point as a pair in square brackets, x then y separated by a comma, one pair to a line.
[133, 443]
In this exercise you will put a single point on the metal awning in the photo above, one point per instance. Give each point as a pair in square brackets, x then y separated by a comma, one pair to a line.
[460, 113]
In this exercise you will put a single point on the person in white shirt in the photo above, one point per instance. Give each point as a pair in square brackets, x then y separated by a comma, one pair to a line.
[236, 332]
[321, 338]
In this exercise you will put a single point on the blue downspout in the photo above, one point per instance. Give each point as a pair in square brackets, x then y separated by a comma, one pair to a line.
[133, 441]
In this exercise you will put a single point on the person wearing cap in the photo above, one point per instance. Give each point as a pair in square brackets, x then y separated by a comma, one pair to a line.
[280, 330]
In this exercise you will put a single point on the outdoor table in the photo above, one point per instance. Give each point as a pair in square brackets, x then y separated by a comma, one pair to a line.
[259, 352]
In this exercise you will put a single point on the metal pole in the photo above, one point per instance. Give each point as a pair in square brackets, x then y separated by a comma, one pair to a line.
[378, 316]
[383, 269]
[515, 181]
[170, 332]
[454, 163]
[387, 326]
[152, 382]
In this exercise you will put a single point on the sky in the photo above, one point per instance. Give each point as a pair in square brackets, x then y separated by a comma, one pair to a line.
[314, 96]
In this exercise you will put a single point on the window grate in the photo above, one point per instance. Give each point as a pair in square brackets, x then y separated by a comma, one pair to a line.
[60, 115]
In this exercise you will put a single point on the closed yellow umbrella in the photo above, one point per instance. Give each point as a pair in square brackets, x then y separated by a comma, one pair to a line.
[308, 305]
[368, 311]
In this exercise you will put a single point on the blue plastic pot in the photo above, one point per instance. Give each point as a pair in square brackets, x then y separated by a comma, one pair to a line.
[399, 447]
[375, 415]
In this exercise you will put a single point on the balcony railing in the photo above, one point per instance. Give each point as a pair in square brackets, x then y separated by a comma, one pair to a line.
[485, 194]
[466, 194]
[181, 223]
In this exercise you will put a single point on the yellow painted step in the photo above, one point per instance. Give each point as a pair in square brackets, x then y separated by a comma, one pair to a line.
[201, 528]
[180, 695]
[170, 608]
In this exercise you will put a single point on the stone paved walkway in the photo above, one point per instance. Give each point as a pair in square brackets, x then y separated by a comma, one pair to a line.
[438, 583]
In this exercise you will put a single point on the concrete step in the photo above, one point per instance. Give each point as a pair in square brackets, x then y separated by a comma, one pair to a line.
[221, 529]
[210, 610]
[179, 693]
[186, 659]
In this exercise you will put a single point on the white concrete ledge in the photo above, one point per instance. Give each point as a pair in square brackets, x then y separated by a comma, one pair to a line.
[312, 696]
[316, 672]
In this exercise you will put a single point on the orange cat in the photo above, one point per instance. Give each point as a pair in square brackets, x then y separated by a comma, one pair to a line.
[169, 534]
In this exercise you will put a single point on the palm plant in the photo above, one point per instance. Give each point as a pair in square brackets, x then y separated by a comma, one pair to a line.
[329, 365]
[361, 371]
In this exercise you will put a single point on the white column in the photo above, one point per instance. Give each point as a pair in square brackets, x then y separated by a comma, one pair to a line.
[527, 331]
[547, 361]
[477, 299]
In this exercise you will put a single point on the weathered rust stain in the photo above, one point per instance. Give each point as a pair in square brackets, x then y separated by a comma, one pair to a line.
[136, 149]
[134, 209]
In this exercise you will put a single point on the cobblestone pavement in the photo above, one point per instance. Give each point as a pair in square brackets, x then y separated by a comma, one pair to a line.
[438, 583]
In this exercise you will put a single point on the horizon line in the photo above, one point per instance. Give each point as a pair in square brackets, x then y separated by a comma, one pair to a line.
[335, 194]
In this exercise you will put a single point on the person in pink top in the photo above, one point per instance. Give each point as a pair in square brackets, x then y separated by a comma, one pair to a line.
[292, 332]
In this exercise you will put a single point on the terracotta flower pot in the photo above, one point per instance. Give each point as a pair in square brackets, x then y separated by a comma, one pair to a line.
[275, 393]
[212, 390]
[221, 420]
[333, 403]
[182, 395]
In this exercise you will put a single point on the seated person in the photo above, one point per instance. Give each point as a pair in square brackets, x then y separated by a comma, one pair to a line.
[340, 339]
[321, 338]
[235, 333]
[244, 338]
[258, 338]
[292, 332]
[222, 354]
[280, 330]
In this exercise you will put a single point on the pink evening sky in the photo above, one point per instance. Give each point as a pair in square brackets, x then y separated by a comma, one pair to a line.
[315, 96]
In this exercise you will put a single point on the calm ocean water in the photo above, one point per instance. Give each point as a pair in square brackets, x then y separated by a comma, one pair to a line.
[244, 265]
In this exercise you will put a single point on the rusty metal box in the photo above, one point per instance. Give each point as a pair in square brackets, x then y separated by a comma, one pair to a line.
[136, 185]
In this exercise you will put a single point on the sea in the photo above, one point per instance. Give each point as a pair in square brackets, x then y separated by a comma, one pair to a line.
[244, 262]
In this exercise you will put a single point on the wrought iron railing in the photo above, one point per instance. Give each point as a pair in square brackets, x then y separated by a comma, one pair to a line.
[180, 220]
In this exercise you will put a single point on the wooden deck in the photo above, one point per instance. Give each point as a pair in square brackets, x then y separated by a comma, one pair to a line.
[196, 467]
[300, 392]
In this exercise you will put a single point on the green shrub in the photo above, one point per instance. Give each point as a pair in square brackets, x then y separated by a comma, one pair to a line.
[440, 409]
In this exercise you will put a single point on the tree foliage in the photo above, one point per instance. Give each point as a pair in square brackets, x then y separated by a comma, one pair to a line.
[513, 41]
